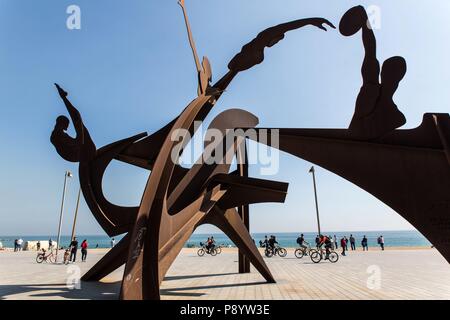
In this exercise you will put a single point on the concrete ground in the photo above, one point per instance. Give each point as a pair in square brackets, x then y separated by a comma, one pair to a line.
[393, 274]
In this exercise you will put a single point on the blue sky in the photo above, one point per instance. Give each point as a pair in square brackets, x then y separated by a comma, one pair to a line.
[129, 69]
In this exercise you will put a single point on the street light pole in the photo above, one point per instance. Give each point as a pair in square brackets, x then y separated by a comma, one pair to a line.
[313, 171]
[76, 214]
[67, 174]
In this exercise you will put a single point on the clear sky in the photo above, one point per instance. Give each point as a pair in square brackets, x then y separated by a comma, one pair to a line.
[130, 69]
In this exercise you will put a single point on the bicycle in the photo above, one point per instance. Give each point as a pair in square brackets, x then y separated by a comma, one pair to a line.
[270, 252]
[320, 254]
[301, 252]
[212, 251]
[41, 257]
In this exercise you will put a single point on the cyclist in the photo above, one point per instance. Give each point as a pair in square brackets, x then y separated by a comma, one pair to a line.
[272, 242]
[207, 246]
[212, 244]
[266, 242]
[325, 240]
[303, 243]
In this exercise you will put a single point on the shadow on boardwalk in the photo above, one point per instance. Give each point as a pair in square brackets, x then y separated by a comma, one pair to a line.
[88, 291]
[106, 291]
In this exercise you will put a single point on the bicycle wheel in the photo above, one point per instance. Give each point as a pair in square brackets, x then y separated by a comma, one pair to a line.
[268, 253]
[282, 252]
[40, 258]
[333, 257]
[315, 256]
[219, 250]
[299, 253]
[201, 252]
[213, 252]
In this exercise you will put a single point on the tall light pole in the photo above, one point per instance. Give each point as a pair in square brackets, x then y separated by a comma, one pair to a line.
[67, 174]
[76, 214]
[313, 171]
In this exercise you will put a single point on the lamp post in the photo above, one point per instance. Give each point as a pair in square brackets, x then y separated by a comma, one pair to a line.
[313, 171]
[76, 214]
[67, 174]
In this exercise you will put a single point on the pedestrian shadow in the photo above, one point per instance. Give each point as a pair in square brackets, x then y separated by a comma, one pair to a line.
[87, 291]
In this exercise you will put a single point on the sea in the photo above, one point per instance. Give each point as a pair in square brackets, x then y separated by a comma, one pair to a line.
[288, 240]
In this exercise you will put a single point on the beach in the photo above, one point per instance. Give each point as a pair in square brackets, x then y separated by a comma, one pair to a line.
[396, 273]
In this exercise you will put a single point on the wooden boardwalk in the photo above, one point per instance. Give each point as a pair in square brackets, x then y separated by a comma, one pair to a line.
[396, 274]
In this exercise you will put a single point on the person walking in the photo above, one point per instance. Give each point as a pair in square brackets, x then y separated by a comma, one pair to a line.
[50, 244]
[381, 242]
[113, 242]
[317, 241]
[352, 242]
[38, 246]
[343, 245]
[15, 245]
[84, 246]
[73, 249]
[335, 242]
[364, 244]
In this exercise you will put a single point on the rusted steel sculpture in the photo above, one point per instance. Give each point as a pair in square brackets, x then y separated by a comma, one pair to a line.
[409, 170]
[176, 200]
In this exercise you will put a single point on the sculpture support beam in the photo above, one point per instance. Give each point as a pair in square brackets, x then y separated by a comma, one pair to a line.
[244, 211]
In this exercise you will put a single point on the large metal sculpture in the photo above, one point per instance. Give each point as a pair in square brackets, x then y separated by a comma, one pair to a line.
[407, 169]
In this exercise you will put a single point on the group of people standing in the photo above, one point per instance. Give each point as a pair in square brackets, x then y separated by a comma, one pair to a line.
[70, 254]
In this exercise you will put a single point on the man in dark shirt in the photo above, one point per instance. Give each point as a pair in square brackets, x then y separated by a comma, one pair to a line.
[73, 249]
[352, 242]
[266, 242]
[272, 242]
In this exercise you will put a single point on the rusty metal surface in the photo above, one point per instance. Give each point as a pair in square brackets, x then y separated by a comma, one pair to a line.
[376, 114]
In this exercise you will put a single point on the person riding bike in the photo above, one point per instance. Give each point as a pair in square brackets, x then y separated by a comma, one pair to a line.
[207, 244]
[325, 240]
[272, 242]
[303, 243]
[210, 243]
[266, 242]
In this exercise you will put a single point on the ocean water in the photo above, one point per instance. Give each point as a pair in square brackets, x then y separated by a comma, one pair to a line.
[391, 238]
